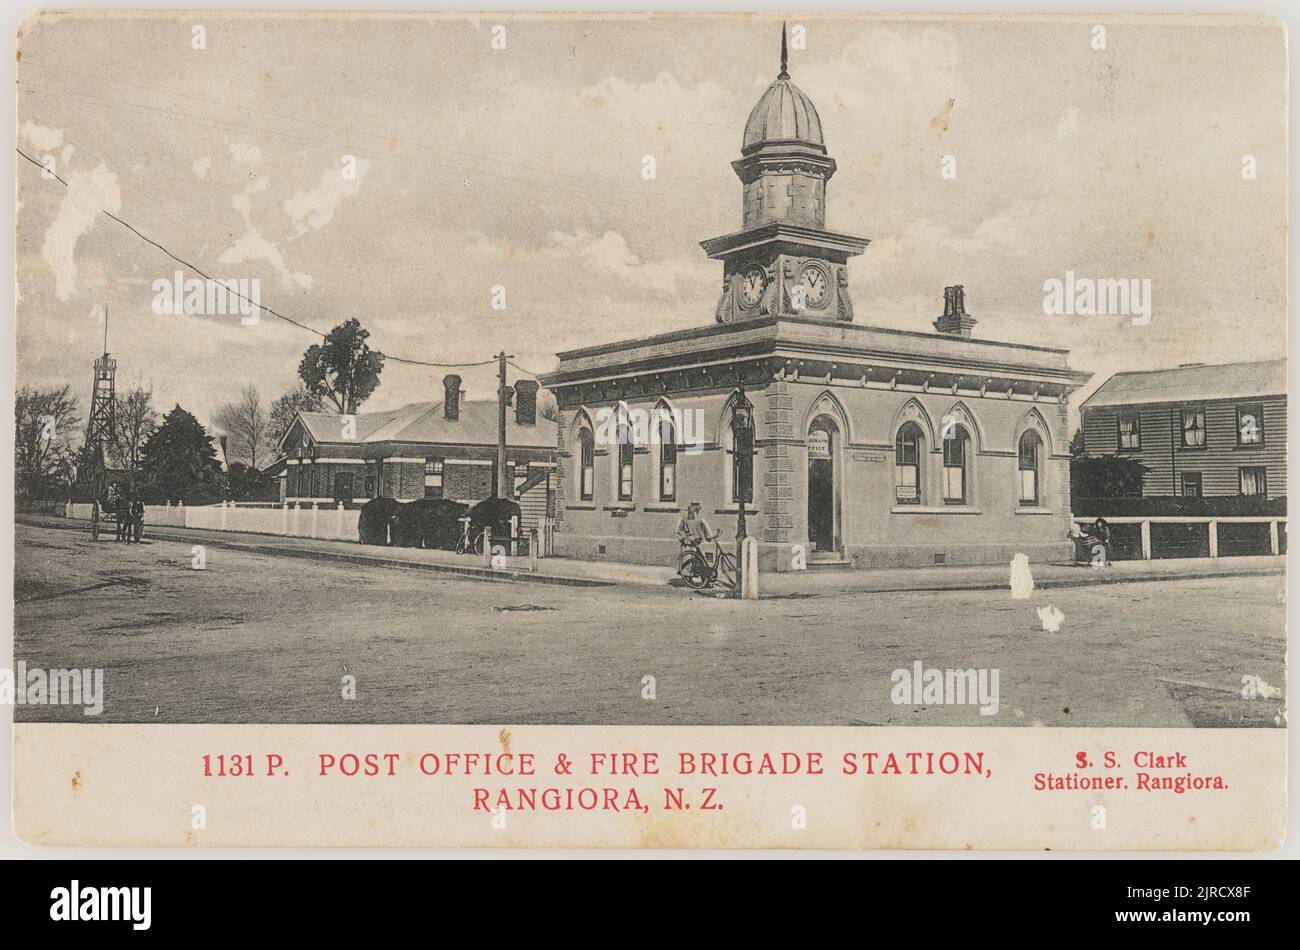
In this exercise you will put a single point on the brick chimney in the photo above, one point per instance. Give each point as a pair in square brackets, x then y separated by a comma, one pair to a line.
[451, 396]
[526, 402]
[955, 320]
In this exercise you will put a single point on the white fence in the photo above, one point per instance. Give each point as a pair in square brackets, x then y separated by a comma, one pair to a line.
[287, 521]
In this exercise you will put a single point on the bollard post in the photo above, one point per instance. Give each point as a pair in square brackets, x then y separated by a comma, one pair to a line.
[315, 508]
[284, 519]
[338, 529]
[749, 569]
[532, 549]
[487, 547]
[223, 514]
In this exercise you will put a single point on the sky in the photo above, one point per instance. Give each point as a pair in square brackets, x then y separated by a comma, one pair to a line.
[475, 167]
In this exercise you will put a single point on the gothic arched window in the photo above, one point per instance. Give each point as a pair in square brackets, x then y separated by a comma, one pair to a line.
[667, 458]
[1029, 452]
[586, 473]
[625, 447]
[956, 458]
[907, 464]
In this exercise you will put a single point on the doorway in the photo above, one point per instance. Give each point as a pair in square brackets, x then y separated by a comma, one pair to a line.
[823, 502]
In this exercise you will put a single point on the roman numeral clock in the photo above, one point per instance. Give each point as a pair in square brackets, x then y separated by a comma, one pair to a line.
[784, 261]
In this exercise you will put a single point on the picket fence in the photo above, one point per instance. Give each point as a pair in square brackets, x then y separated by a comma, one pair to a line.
[288, 521]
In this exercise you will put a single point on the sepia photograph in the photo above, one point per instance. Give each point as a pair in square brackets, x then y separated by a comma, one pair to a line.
[650, 370]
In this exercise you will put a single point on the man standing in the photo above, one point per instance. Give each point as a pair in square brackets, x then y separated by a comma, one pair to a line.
[691, 528]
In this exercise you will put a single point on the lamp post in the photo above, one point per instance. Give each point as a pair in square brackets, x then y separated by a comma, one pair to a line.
[742, 432]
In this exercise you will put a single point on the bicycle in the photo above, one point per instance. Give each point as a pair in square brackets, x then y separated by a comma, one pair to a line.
[699, 572]
[465, 544]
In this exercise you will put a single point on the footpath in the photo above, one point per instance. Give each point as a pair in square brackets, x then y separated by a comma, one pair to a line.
[579, 573]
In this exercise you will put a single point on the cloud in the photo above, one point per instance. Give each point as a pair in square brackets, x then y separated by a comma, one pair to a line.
[656, 104]
[39, 137]
[252, 246]
[312, 210]
[88, 194]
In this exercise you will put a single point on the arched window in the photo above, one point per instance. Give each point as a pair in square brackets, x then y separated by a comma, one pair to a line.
[907, 464]
[586, 459]
[625, 446]
[1029, 452]
[737, 477]
[667, 457]
[956, 457]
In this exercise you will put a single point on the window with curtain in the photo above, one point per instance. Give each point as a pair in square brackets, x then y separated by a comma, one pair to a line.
[1254, 480]
[1194, 428]
[667, 459]
[1030, 444]
[1130, 432]
[907, 464]
[955, 452]
[586, 464]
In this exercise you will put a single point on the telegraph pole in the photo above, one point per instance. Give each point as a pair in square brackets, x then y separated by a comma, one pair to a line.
[502, 393]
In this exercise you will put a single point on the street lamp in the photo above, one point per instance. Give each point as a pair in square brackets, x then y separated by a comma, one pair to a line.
[742, 432]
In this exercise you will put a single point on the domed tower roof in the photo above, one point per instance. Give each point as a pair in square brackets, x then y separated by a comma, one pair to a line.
[783, 114]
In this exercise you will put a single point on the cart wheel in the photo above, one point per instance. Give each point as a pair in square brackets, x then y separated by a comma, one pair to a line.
[478, 543]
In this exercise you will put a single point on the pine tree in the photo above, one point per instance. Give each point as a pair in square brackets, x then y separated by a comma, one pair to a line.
[180, 462]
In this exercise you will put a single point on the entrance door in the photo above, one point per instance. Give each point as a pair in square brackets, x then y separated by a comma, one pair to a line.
[343, 487]
[821, 486]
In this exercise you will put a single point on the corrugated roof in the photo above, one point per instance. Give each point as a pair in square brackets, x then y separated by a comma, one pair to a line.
[424, 422]
[1193, 383]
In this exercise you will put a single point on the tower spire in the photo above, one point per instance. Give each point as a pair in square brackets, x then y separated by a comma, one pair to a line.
[784, 73]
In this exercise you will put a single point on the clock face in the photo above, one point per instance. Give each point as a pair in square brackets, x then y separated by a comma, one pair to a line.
[752, 282]
[816, 289]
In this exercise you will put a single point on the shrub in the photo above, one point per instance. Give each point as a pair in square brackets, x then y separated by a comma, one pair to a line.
[377, 516]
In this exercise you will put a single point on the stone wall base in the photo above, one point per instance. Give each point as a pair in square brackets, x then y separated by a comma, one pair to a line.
[782, 557]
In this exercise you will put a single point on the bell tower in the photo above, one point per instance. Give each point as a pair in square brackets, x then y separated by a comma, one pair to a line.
[784, 261]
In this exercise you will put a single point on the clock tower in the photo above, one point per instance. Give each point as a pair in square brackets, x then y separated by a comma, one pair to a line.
[784, 262]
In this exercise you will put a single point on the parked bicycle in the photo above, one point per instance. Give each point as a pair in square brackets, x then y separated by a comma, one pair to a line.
[467, 544]
[699, 571]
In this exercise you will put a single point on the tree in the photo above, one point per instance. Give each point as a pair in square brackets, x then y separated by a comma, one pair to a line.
[46, 420]
[284, 409]
[180, 461]
[244, 483]
[136, 421]
[342, 371]
[548, 408]
[247, 427]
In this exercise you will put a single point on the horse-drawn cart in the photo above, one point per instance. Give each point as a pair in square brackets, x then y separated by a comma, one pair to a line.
[119, 506]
